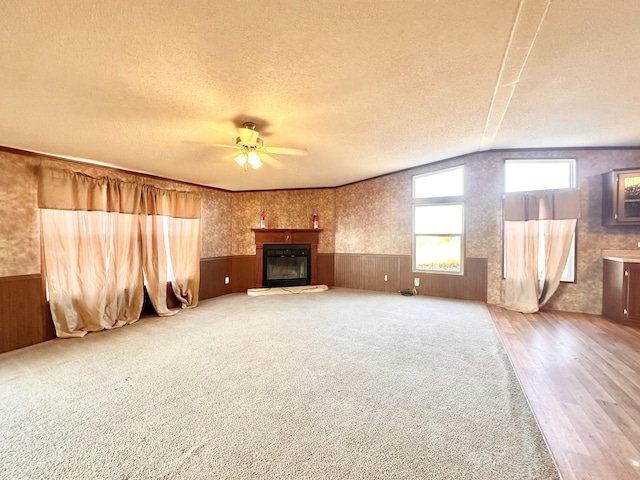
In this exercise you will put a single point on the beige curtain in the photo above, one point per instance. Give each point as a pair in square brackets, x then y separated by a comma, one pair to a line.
[184, 242]
[154, 253]
[93, 270]
[63, 189]
[521, 284]
[558, 235]
[125, 285]
[531, 281]
[99, 236]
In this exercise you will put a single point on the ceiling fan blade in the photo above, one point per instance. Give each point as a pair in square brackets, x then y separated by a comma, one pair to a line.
[272, 162]
[219, 159]
[223, 145]
[286, 151]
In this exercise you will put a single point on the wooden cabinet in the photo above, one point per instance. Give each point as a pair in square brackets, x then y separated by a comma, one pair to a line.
[621, 291]
[621, 197]
[632, 281]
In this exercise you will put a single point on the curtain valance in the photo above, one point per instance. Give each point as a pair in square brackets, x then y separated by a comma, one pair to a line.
[562, 204]
[62, 189]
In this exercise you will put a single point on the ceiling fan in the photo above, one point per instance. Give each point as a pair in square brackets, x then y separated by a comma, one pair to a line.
[252, 150]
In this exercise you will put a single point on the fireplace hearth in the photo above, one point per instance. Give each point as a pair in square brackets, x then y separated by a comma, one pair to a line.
[286, 265]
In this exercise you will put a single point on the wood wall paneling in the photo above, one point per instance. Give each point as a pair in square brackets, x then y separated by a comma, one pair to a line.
[476, 279]
[242, 272]
[26, 319]
[375, 270]
[470, 286]
[373, 273]
[49, 329]
[367, 272]
[212, 273]
[349, 270]
[326, 269]
[406, 273]
[22, 316]
[392, 270]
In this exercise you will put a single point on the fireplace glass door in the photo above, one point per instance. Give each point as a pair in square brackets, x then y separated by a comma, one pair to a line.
[286, 265]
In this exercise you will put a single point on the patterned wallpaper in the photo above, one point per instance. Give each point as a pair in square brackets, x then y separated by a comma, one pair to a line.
[369, 217]
[20, 226]
[19, 219]
[586, 294]
[216, 223]
[283, 209]
[374, 217]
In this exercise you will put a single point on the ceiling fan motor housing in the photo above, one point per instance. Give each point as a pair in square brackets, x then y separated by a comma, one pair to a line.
[248, 134]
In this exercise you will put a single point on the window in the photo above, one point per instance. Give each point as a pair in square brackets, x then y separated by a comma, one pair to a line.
[548, 174]
[438, 221]
[444, 183]
[530, 175]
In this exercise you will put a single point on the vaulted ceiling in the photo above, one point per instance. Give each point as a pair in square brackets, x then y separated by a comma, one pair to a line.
[367, 87]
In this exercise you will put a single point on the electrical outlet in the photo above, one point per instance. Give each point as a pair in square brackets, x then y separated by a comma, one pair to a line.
[226, 280]
[416, 282]
[385, 277]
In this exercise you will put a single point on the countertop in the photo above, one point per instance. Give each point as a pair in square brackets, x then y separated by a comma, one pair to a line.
[629, 256]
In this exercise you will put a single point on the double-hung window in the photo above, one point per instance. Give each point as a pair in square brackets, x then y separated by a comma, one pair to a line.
[438, 221]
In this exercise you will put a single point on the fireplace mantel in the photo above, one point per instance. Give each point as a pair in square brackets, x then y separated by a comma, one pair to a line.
[286, 235]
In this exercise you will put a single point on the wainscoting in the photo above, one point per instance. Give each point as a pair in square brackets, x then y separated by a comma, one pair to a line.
[368, 271]
[326, 269]
[243, 271]
[213, 270]
[23, 316]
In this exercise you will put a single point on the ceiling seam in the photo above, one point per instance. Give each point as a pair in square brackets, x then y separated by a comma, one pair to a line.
[512, 85]
[502, 67]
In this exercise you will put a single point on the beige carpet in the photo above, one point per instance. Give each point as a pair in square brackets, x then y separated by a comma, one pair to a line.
[344, 384]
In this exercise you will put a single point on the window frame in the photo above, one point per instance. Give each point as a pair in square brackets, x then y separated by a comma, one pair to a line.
[435, 201]
[573, 254]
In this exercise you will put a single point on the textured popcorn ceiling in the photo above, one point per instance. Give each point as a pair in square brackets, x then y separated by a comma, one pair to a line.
[367, 87]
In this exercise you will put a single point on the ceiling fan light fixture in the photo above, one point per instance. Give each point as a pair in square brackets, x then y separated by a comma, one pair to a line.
[254, 160]
[241, 159]
[250, 148]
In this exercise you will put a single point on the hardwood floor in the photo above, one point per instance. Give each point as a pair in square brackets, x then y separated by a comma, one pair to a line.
[581, 374]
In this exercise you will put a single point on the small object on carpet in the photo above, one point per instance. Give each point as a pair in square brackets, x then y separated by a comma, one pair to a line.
[254, 292]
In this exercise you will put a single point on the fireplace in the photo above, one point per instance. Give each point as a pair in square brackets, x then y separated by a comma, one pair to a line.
[286, 265]
[301, 243]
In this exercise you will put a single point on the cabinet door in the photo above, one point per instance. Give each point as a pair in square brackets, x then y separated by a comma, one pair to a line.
[628, 197]
[632, 290]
